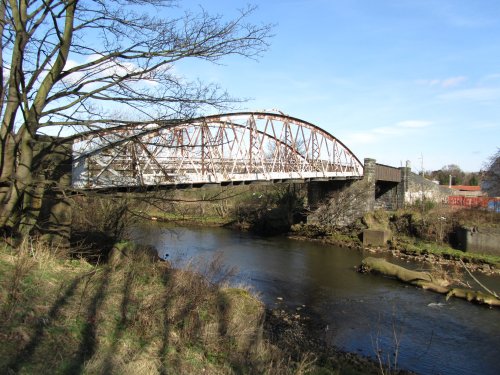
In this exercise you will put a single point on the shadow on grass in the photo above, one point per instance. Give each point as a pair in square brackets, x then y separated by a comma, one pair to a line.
[240, 330]
[121, 326]
[163, 352]
[88, 343]
[132, 305]
[27, 352]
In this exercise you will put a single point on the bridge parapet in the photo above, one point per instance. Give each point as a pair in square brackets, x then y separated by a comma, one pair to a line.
[387, 173]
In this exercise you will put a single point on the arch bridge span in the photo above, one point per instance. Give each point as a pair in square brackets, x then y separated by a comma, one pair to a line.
[226, 148]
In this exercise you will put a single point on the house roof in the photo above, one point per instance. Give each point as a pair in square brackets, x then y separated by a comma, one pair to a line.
[466, 187]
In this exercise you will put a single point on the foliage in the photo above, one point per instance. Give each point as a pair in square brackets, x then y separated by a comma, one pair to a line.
[433, 232]
[458, 177]
[424, 205]
[273, 210]
[98, 222]
[435, 224]
[491, 178]
[474, 180]
[73, 65]
[215, 204]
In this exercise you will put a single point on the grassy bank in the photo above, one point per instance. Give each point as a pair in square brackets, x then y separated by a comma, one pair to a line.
[186, 219]
[137, 315]
[426, 236]
[431, 250]
[432, 232]
[131, 315]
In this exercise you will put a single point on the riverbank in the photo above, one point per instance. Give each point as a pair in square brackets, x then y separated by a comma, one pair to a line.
[295, 333]
[136, 314]
[401, 245]
[423, 232]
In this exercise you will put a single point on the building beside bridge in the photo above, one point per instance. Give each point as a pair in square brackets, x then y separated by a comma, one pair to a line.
[468, 191]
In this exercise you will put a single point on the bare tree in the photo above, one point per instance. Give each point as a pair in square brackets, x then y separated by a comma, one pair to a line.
[68, 64]
[491, 177]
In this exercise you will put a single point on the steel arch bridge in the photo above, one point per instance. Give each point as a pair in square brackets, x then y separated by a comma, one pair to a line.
[228, 148]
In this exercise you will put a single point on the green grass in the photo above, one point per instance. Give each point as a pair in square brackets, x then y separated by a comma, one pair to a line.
[418, 247]
[190, 218]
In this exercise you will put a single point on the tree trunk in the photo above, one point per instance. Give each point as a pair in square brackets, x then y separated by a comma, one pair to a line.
[426, 281]
[22, 180]
[382, 266]
[474, 296]
[7, 162]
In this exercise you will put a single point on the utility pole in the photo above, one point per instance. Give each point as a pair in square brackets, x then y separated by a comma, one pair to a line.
[422, 164]
[422, 181]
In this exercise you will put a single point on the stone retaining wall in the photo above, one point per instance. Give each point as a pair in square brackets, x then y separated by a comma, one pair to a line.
[420, 188]
[479, 240]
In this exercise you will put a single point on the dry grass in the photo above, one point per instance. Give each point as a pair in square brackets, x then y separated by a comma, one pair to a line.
[474, 217]
[133, 315]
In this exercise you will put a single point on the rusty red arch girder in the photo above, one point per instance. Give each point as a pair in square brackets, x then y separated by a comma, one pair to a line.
[231, 147]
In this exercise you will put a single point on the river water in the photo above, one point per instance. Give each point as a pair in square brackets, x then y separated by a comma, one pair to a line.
[356, 312]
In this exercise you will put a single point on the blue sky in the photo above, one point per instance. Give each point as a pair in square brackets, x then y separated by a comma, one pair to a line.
[394, 80]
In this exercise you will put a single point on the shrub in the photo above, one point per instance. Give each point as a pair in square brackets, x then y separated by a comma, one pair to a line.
[98, 223]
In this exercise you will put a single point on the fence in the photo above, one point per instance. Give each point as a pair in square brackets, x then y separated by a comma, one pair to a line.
[492, 204]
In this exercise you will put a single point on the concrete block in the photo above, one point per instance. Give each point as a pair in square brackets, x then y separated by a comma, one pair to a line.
[479, 240]
[376, 237]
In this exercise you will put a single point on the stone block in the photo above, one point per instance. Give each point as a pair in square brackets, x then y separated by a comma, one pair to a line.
[479, 240]
[376, 237]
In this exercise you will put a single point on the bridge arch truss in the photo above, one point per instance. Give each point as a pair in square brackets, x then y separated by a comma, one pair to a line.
[233, 147]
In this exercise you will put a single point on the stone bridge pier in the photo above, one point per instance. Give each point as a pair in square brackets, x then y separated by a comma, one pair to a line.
[386, 187]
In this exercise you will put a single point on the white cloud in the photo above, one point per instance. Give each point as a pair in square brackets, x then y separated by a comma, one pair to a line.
[110, 68]
[74, 77]
[414, 124]
[445, 83]
[375, 135]
[491, 78]
[453, 81]
[478, 94]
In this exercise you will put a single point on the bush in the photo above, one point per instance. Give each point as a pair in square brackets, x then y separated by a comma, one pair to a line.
[98, 223]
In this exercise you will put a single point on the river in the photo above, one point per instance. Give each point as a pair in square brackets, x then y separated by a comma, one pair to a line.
[357, 312]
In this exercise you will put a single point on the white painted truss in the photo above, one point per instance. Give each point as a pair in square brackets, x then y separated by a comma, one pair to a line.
[233, 147]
